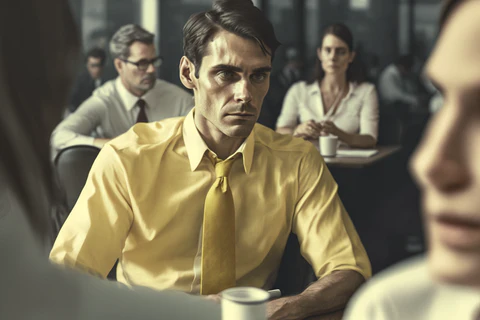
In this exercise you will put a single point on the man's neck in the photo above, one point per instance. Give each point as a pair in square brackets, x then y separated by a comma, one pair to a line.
[223, 145]
[137, 93]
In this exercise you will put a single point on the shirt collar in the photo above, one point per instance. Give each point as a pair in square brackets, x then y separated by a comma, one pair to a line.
[314, 88]
[196, 147]
[129, 100]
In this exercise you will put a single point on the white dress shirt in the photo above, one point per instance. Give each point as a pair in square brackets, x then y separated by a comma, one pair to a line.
[393, 87]
[407, 291]
[112, 110]
[356, 113]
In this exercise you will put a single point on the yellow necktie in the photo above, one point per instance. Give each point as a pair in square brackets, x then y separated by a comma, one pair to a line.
[218, 242]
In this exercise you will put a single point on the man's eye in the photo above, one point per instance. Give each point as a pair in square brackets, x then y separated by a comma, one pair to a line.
[143, 63]
[259, 77]
[342, 52]
[226, 75]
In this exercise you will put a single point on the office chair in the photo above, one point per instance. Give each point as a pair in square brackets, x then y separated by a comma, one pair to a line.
[72, 166]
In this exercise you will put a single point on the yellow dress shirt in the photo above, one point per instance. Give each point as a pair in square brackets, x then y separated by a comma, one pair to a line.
[144, 197]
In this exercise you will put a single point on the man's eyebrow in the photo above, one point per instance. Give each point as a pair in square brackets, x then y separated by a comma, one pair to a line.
[238, 69]
[262, 69]
[227, 67]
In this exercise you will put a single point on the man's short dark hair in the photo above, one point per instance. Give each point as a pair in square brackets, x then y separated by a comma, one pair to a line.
[96, 53]
[239, 17]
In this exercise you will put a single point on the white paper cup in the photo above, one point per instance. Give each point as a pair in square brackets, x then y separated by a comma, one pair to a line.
[244, 303]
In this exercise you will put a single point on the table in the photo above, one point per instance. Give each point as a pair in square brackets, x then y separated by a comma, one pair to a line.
[360, 162]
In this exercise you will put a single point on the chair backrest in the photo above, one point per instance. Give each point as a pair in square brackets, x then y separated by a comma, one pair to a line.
[72, 166]
[295, 273]
[391, 128]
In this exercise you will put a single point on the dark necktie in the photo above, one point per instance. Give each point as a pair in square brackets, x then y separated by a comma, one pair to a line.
[142, 116]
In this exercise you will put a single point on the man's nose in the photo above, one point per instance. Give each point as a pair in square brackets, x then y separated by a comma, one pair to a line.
[243, 91]
[441, 161]
[151, 68]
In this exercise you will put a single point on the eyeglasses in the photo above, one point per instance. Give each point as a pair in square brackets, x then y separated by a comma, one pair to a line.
[143, 64]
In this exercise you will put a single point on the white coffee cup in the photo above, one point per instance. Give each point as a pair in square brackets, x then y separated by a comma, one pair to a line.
[244, 303]
[328, 145]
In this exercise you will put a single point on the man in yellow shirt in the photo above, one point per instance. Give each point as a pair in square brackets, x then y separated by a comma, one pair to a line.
[145, 204]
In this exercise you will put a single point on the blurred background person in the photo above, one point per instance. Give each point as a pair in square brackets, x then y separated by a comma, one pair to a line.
[398, 87]
[89, 79]
[136, 95]
[338, 101]
[280, 82]
[32, 288]
[445, 284]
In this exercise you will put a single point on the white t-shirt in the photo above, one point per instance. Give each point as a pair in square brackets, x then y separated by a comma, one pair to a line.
[407, 292]
[356, 113]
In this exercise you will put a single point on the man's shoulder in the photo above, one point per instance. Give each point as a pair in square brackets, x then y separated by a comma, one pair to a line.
[106, 91]
[412, 272]
[146, 135]
[399, 289]
[276, 142]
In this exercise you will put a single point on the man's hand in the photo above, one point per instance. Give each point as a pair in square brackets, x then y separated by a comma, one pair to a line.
[282, 309]
[214, 297]
[99, 143]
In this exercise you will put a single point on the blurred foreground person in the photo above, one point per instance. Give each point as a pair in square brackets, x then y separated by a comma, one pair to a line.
[445, 284]
[31, 288]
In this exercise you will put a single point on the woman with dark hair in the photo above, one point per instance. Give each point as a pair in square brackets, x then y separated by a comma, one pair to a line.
[338, 101]
[46, 45]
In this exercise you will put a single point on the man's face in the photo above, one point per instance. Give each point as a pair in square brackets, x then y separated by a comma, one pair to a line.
[447, 163]
[136, 81]
[233, 81]
[94, 67]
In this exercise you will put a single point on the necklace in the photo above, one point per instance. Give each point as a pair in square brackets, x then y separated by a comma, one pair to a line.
[336, 101]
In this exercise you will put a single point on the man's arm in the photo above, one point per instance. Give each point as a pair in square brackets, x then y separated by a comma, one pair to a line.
[324, 299]
[92, 237]
[77, 127]
[328, 241]
[391, 89]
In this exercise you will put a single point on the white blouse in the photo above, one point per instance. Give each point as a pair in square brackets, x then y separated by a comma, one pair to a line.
[356, 113]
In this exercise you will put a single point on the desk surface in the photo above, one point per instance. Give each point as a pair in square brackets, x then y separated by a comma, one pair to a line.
[360, 162]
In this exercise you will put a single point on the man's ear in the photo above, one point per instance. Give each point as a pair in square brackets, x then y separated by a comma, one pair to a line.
[187, 73]
[118, 65]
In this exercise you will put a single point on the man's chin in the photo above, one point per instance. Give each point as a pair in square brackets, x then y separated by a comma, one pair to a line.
[240, 131]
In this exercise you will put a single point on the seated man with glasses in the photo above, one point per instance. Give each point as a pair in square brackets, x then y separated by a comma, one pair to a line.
[135, 96]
